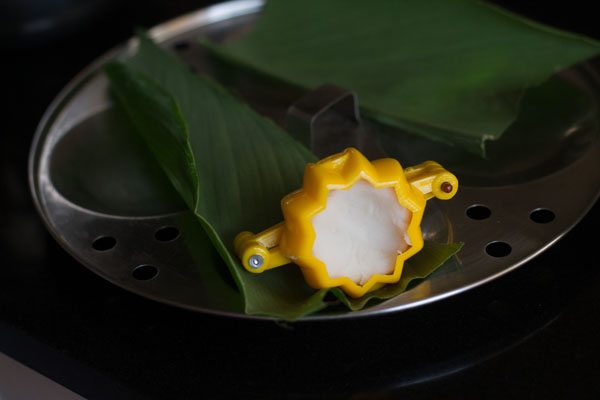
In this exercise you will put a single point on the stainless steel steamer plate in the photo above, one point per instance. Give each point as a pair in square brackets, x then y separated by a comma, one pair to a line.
[494, 213]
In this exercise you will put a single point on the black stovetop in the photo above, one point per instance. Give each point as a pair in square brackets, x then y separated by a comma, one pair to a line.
[531, 334]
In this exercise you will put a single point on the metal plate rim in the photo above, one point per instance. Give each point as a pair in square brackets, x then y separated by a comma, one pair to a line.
[168, 30]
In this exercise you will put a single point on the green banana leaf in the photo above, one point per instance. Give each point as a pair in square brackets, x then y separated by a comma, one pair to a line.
[449, 70]
[230, 165]
[416, 268]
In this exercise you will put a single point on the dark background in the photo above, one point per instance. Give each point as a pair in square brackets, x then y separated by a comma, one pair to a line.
[532, 334]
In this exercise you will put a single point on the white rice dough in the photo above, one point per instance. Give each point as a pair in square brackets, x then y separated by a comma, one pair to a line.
[361, 232]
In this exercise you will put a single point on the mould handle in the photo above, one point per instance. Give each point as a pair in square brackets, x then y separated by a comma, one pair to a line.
[432, 180]
[260, 252]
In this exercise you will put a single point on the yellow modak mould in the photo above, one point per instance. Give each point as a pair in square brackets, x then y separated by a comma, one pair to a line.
[292, 240]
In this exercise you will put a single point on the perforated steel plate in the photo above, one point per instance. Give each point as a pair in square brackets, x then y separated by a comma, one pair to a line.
[509, 208]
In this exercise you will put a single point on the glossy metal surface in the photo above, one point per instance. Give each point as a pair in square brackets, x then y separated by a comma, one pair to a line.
[562, 175]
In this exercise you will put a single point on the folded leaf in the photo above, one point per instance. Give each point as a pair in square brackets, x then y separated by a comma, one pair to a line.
[420, 266]
[230, 165]
[449, 70]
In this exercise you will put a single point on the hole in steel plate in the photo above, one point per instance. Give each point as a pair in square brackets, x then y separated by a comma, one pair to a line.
[542, 216]
[182, 45]
[145, 272]
[498, 249]
[104, 243]
[166, 234]
[478, 212]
